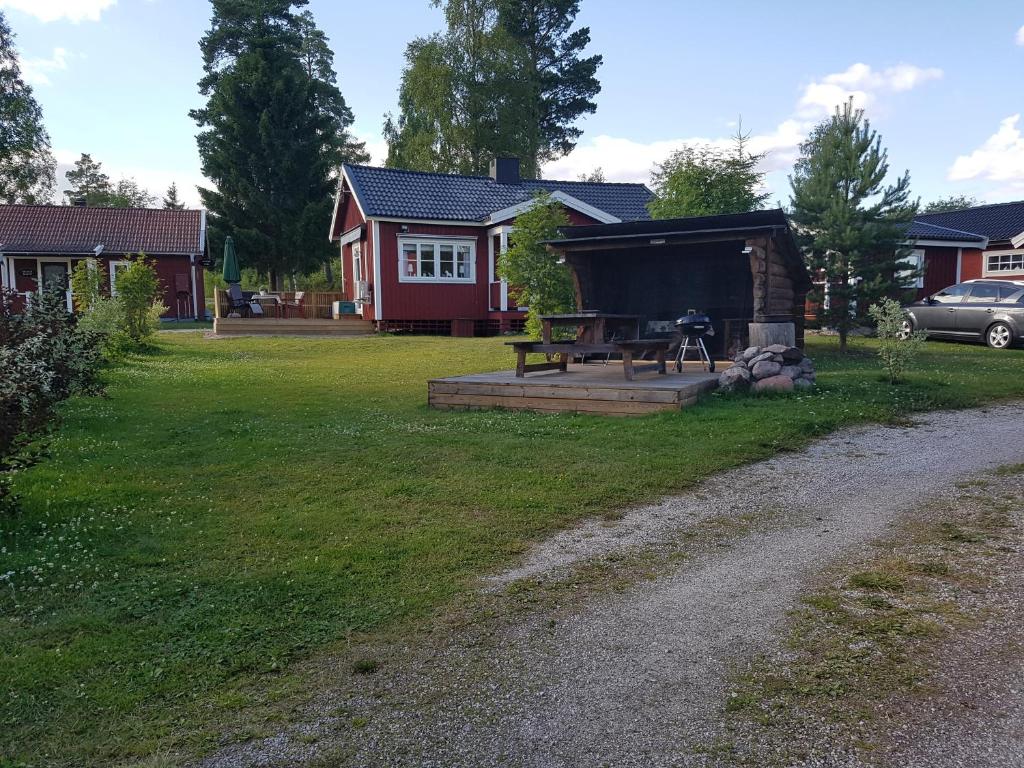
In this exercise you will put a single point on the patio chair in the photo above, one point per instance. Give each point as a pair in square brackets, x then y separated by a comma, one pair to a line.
[237, 301]
[297, 303]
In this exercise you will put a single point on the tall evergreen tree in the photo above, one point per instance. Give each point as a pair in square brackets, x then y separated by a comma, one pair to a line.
[27, 167]
[273, 132]
[171, 200]
[87, 181]
[849, 223]
[506, 77]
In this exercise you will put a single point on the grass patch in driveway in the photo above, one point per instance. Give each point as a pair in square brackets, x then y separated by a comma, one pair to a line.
[239, 505]
[863, 644]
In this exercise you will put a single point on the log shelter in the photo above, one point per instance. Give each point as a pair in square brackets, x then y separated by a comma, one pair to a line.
[744, 270]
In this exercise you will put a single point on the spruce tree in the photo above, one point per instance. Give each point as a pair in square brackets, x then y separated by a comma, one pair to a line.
[273, 133]
[27, 167]
[171, 200]
[850, 224]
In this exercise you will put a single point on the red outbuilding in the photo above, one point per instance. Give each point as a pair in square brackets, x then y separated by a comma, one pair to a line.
[41, 244]
[419, 250]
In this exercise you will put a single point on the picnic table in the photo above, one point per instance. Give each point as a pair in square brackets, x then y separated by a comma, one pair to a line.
[592, 325]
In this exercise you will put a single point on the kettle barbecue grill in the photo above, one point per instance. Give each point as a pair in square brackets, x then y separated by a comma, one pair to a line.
[692, 328]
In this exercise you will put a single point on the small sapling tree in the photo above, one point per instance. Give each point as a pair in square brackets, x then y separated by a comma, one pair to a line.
[898, 342]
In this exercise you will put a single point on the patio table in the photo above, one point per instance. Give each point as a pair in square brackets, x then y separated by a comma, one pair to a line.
[591, 325]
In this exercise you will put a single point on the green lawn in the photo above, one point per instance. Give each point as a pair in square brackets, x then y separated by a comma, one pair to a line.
[237, 505]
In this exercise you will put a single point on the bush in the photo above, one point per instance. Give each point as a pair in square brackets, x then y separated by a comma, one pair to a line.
[138, 289]
[45, 358]
[898, 346]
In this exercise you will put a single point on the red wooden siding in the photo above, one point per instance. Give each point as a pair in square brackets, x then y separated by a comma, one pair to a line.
[939, 270]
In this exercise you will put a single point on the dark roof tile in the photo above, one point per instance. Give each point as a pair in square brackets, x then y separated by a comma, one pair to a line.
[1001, 221]
[72, 229]
[391, 192]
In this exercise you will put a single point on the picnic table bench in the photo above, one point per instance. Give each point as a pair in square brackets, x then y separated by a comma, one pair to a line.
[628, 348]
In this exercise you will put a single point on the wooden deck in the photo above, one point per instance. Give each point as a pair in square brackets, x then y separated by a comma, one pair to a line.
[269, 326]
[591, 388]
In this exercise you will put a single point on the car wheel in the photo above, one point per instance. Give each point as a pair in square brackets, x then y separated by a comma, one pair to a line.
[999, 336]
[905, 330]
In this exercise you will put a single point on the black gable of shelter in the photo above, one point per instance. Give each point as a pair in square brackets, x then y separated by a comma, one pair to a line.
[692, 225]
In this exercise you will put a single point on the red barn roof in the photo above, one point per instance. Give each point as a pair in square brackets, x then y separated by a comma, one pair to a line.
[62, 229]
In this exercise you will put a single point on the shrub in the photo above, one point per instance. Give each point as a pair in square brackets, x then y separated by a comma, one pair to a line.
[45, 358]
[105, 319]
[897, 346]
[87, 284]
[138, 289]
[537, 278]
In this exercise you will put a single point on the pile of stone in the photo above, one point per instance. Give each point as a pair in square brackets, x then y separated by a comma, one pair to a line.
[777, 368]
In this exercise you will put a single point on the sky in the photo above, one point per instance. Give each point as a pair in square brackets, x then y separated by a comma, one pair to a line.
[939, 80]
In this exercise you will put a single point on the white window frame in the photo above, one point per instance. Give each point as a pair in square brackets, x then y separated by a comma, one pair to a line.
[357, 263]
[436, 242]
[113, 274]
[907, 277]
[987, 272]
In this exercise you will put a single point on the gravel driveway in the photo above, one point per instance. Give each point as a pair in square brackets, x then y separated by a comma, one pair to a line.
[637, 676]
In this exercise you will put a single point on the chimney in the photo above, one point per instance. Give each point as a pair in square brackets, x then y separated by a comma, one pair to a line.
[505, 170]
[78, 202]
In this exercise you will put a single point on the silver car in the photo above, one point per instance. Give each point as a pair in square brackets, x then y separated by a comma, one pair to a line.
[976, 310]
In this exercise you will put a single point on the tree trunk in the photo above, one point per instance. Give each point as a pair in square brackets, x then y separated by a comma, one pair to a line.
[329, 274]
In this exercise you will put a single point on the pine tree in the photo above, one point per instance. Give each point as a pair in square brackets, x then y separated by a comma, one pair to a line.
[506, 77]
[27, 167]
[171, 200]
[272, 135]
[87, 181]
[849, 223]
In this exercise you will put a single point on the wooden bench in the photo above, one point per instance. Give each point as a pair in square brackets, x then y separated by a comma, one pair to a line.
[629, 349]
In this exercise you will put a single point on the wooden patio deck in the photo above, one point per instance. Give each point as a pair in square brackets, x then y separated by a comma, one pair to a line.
[591, 388]
[293, 326]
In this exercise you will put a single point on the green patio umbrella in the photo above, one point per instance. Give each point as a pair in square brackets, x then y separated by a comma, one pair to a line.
[231, 272]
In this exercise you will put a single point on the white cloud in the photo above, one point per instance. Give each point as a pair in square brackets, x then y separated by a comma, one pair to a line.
[627, 160]
[1019, 38]
[55, 10]
[863, 84]
[37, 71]
[1000, 158]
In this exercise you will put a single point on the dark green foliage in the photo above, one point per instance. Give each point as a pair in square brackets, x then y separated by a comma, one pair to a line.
[536, 277]
[849, 223]
[272, 134]
[88, 182]
[45, 359]
[171, 200]
[27, 167]
[951, 203]
[705, 181]
[506, 77]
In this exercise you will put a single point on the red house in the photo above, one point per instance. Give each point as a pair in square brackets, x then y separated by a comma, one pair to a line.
[985, 241]
[419, 250]
[40, 245]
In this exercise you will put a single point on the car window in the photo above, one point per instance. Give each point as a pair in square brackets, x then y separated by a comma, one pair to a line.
[983, 293]
[1009, 292]
[952, 295]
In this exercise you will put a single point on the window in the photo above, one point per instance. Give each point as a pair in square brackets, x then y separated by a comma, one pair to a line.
[115, 269]
[436, 261]
[913, 277]
[357, 263]
[952, 295]
[1004, 262]
[983, 293]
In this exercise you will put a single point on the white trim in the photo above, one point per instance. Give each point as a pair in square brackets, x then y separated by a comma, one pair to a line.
[202, 232]
[502, 247]
[435, 242]
[195, 290]
[356, 233]
[986, 272]
[377, 292]
[337, 202]
[558, 195]
[39, 276]
[949, 243]
[1017, 241]
[959, 263]
[434, 222]
[112, 266]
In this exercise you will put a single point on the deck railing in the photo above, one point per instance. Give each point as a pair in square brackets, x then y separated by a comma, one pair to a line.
[315, 305]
